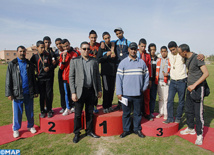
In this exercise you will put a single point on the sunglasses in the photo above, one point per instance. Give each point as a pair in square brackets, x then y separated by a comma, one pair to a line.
[86, 49]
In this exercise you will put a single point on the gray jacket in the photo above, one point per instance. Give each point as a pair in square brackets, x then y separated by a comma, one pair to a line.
[76, 76]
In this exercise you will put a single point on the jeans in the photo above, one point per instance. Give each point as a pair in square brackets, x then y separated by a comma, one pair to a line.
[136, 102]
[174, 87]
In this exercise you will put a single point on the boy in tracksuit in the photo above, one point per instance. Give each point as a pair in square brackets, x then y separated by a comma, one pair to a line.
[44, 67]
[121, 50]
[162, 80]
[64, 65]
[107, 58]
[146, 94]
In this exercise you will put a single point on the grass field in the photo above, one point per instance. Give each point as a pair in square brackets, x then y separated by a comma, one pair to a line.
[62, 143]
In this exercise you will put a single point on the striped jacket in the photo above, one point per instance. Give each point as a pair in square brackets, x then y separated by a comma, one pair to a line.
[132, 77]
[166, 78]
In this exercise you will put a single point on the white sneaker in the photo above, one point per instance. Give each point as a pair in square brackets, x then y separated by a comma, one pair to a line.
[32, 130]
[159, 115]
[16, 134]
[61, 111]
[199, 140]
[66, 112]
[188, 131]
[72, 110]
[165, 117]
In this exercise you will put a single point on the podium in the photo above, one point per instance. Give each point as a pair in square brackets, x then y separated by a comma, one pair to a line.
[108, 124]
[58, 124]
[157, 128]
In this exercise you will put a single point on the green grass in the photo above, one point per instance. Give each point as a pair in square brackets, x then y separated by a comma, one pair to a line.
[62, 143]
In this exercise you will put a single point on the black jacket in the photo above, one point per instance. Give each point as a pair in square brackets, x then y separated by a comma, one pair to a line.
[13, 85]
[108, 64]
[37, 60]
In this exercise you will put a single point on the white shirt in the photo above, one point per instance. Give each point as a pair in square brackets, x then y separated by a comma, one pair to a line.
[178, 68]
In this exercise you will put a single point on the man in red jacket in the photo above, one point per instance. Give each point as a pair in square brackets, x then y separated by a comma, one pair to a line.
[64, 65]
[146, 95]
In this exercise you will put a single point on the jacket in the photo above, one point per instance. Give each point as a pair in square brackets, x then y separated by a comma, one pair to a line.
[76, 76]
[37, 60]
[65, 66]
[108, 64]
[13, 84]
[166, 78]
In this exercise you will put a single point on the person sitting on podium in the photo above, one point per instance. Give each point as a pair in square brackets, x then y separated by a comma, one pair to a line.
[85, 86]
[132, 80]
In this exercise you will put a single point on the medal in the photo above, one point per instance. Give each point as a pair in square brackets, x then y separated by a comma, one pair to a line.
[121, 54]
[173, 67]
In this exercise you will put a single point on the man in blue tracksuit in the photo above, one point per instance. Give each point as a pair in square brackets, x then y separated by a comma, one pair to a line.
[132, 80]
[20, 87]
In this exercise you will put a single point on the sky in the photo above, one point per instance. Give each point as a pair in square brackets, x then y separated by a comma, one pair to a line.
[24, 22]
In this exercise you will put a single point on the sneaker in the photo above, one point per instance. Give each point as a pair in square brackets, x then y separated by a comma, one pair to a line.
[165, 117]
[159, 116]
[50, 114]
[16, 134]
[167, 121]
[152, 115]
[105, 111]
[110, 109]
[177, 120]
[199, 140]
[151, 119]
[96, 111]
[72, 110]
[66, 112]
[61, 111]
[188, 131]
[32, 130]
[42, 115]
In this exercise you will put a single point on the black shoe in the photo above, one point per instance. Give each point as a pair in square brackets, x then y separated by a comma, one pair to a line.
[124, 134]
[147, 117]
[76, 138]
[42, 115]
[50, 114]
[140, 134]
[118, 107]
[91, 134]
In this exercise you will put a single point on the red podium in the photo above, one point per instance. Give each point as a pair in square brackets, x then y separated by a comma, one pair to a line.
[157, 128]
[108, 124]
[58, 123]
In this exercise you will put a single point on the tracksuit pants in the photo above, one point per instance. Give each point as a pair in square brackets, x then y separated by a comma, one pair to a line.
[194, 110]
[61, 89]
[145, 104]
[153, 94]
[18, 110]
[68, 99]
[108, 83]
[46, 94]
[163, 90]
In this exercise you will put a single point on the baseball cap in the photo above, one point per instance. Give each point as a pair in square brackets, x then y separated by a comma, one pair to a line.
[118, 29]
[133, 45]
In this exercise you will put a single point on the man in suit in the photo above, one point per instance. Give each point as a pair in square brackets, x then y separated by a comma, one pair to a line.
[85, 85]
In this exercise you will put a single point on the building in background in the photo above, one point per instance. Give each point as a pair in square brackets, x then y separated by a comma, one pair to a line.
[9, 55]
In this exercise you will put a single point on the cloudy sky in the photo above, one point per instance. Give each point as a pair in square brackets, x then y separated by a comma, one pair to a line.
[23, 22]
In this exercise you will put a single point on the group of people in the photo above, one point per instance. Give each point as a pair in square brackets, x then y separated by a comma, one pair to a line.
[139, 76]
